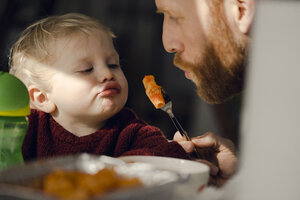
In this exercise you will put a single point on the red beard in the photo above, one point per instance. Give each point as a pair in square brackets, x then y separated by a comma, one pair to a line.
[219, 74]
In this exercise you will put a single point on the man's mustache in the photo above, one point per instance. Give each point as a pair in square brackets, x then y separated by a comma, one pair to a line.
[180, 63]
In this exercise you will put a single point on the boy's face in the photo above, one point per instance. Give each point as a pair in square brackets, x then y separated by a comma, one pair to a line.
[88, 84]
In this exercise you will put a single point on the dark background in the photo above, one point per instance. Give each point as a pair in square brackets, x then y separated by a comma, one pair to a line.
[138, 29]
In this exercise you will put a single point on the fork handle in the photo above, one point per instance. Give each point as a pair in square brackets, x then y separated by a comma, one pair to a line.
[183, 133]
[179, 127]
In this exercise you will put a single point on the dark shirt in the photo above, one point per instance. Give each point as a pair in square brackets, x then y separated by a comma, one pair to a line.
[123, 134]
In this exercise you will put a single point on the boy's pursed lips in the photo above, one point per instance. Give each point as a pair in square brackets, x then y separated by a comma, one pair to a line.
[110, 88]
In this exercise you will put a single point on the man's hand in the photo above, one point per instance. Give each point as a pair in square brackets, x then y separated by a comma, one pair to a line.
[217, 152]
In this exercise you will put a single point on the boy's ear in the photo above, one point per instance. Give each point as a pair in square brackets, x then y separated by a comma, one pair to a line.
[40, 100]
[243, 14]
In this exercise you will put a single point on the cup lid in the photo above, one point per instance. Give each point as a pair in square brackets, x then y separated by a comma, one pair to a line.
[14, 99]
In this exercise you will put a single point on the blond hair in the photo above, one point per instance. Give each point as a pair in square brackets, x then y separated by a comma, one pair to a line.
[32, 47]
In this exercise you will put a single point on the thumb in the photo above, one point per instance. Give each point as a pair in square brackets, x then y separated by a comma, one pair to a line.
[188, 146]
[178, 138]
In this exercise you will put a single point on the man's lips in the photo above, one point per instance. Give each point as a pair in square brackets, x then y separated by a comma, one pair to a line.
[110, 89]
[183, 65]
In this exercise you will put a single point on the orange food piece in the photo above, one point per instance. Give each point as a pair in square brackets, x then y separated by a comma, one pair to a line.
[75, 185]
[153, 91]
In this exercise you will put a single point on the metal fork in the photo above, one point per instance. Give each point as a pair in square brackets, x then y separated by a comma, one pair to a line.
[168, 109]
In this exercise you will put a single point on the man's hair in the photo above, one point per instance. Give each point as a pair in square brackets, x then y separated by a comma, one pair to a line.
[32, 47]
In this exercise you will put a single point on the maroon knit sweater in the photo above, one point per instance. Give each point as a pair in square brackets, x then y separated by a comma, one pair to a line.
[123, 134]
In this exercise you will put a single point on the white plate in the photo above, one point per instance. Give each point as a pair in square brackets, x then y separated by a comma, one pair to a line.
[198, 172]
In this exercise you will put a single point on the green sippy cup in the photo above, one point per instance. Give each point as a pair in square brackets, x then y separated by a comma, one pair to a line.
[14, 107]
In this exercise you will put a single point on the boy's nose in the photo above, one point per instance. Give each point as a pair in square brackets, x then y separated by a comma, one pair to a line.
[105, 74]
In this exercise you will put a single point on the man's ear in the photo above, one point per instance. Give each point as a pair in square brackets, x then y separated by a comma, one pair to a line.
[40, 100]
[243, 14]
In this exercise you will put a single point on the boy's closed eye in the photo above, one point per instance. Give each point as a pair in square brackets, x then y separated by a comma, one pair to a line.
[113, 66]
[86, 70]
[90, 69]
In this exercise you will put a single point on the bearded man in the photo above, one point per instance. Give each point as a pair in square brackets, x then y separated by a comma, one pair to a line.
[210, 41]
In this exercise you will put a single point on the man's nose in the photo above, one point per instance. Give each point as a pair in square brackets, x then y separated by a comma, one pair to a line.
[105, 74]
[171, 41]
